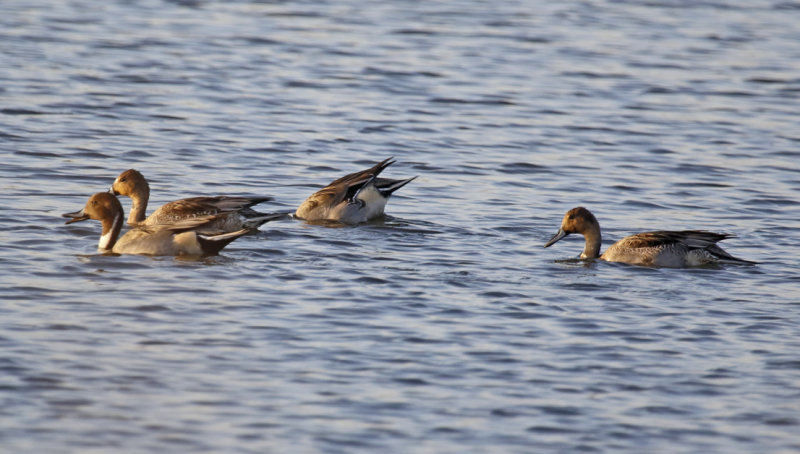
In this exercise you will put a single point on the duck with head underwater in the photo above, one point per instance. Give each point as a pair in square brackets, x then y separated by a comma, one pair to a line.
[355, 198]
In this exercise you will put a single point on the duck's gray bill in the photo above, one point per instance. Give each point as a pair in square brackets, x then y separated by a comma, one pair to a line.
[560, 234]
[76, 216]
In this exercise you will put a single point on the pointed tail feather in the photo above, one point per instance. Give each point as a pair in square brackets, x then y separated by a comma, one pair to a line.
[387, 187]
[212, 244]
[723, 256]
[257, 200]
[379, 167]
[362, 175]
[254, 222]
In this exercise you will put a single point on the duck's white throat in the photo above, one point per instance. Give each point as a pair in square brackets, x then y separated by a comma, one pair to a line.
[108, 238]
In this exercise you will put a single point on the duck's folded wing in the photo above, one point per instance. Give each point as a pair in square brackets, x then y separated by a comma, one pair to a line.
[200, 206]
[363, 175]
[230, 203]
[334, 194]
[702, 239]
[183, 225]
[693, 239]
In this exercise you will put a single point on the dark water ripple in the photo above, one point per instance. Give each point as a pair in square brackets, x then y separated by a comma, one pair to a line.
[445, 327]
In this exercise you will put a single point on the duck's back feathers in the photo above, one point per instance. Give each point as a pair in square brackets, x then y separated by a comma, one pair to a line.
[229, 213]
[363, 175]
[201, 206]
[693, 239]
[180, 225]
[671, 249]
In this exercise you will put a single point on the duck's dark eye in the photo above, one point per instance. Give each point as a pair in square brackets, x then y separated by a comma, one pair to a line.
[571, 217]
[122, 180]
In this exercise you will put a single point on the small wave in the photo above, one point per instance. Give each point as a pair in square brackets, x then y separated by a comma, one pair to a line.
[498, 102]
[523, 168]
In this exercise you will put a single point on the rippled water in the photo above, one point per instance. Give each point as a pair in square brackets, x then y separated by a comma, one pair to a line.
[446, 327]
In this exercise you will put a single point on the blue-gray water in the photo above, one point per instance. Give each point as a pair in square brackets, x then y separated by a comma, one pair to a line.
[447, 327]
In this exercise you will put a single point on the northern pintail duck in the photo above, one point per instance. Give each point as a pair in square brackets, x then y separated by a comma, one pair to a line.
[673, 249]
[354, 198]
[235, 213]
[178, 238]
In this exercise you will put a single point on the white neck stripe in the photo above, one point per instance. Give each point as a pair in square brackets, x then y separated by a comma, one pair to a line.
[105, 239]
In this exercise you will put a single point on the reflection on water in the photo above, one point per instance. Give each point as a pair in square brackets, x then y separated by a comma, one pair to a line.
[445, 326]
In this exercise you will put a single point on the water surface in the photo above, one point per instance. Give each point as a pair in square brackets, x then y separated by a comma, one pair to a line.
[445, 327]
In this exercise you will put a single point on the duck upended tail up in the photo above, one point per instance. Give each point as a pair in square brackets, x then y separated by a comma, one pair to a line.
[355, 198]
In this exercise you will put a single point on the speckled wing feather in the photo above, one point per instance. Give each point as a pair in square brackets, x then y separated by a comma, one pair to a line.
[200, 206]
[693, 239]
[355, 177]
[347, 186]
[183, 225]
[334, 194]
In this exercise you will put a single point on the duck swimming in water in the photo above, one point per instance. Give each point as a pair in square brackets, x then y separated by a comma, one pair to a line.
[235, 213]
[672, 249]
[179, 238]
